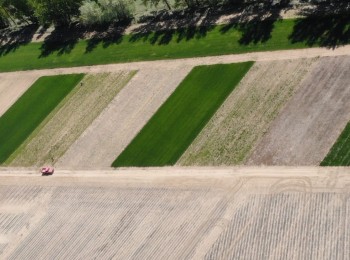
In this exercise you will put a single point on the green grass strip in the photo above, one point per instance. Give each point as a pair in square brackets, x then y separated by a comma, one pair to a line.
[31, 109]
[172, 44]
[180, 119]
[339, 155]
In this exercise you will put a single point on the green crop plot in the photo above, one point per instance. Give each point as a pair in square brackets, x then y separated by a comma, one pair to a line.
[31, 109]
[180, 119]
[171, 44]
[339, 155]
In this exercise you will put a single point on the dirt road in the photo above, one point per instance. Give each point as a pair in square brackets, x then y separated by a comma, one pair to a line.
[176, 213]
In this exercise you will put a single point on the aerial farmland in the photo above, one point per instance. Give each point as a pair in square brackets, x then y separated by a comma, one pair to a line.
[197, 132]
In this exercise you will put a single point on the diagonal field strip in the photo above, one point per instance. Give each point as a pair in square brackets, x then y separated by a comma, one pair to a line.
[246, 114]
[339, 155]
[179, 120]
[124, 117]
[68, 122]
[31, 109]
[313, 119]
[12, 87]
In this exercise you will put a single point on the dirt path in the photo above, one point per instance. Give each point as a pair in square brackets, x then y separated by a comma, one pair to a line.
[176, 213]
[245, 116]
[169, 64]
[12, 86]
[68, 121]
[125, 116]
[311, 122]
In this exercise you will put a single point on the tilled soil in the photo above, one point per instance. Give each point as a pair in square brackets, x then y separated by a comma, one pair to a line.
[311, 122]
[247, 113]
[69, 120]
[176, 213]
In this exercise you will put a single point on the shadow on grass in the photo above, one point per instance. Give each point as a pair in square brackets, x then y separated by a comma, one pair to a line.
[11, 40]
[163, 27]
[256, 21]
[327, 25]
[63, 39]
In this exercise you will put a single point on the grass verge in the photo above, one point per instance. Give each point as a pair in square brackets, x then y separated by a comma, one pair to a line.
[180, 119]
[171, 44]
[31, 109]
[339, 155]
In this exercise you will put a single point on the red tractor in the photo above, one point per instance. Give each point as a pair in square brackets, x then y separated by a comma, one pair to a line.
[47, 170]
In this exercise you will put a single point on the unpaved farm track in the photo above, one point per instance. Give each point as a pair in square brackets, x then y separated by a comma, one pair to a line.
[311, 122]
[12, 86]
[69, 120]
[176, 213]
[245, 116]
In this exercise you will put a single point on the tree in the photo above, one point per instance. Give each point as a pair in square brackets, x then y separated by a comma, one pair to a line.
[58, 12]
[104, 11]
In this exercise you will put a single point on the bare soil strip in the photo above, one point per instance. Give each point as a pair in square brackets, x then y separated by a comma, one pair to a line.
[125, 116]
[247, 113]
[310, 124]
[176, 213]
[12, 86]
[49, 142]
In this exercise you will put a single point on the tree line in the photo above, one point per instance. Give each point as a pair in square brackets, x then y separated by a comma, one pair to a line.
[89, 12]
[64, 12]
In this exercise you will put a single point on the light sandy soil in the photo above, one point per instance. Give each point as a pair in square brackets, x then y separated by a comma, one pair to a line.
[125, 116]
[69, 120]
[311, 122]
[176, 213]
[12, 87]
[245, 116]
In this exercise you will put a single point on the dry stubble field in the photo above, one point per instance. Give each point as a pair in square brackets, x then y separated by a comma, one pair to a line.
[232, 133]
[69, 120]
[175, 213]
[311, 122]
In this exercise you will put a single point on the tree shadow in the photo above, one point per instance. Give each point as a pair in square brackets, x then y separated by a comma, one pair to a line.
[11, 40]
[183, 25]
[106, 35]
[62, 40]
[326, 24]
[256, 21]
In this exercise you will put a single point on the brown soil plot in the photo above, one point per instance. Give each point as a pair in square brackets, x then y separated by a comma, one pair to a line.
[311, 122]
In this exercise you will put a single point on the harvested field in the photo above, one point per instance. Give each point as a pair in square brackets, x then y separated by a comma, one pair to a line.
[180, 119]
[174, 213]
[68, 121]
[12, 87]
[245, 116]
[339, 155]
[310, 124]
[124, 117]
[31, 109]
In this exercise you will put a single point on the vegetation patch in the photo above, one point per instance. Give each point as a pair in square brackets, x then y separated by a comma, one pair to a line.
[31, 109]
[69, 120]
[339, 155]
[179, 120]
[166, 44]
